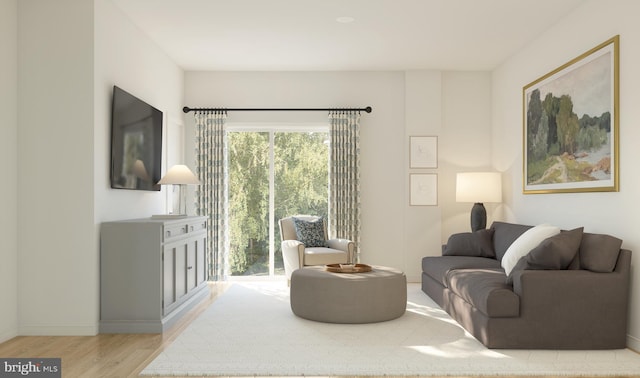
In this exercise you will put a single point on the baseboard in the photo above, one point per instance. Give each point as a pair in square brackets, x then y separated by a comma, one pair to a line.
[633, 343]
[414, 278]
[8, 335]
[53, 330]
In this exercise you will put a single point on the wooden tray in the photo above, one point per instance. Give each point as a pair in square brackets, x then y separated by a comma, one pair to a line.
[358, 268]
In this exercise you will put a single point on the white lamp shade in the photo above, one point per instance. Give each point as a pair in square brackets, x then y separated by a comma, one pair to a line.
[179, 175]
[479, 187]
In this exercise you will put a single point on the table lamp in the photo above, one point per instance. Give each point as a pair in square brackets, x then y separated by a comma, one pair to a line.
[181, 176]
[478, 187]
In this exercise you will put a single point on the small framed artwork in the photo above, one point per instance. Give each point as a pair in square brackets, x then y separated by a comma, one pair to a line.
[424, 151]
[424, 189]
[570, 125]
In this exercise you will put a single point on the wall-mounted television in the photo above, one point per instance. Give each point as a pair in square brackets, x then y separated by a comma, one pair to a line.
[136, 143]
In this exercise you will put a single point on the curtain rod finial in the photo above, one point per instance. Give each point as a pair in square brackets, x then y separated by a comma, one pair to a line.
[186, 109]
[368, 109]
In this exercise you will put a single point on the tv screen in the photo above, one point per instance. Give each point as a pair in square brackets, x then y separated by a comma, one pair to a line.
[136, 143]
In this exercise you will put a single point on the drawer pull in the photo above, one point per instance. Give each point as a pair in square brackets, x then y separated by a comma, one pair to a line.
[189, 267]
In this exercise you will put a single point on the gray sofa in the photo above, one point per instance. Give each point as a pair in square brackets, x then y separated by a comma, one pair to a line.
[570, 292]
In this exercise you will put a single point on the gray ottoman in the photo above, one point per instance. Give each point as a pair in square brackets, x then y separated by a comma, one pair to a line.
[369, 297]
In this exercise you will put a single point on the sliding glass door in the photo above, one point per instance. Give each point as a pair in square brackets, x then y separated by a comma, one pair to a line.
[274, 172]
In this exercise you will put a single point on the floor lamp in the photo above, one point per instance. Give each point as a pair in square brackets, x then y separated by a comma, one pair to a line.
[479, 187]
[181, 176]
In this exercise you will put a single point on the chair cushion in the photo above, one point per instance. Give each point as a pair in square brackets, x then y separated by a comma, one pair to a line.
[485, 290]
[324, 256]
[310, 232]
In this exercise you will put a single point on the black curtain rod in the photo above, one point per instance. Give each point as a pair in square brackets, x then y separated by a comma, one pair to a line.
[187, 109]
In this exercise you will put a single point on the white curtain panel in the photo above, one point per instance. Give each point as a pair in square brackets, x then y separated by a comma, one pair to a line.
[210, 195]
[344, 176]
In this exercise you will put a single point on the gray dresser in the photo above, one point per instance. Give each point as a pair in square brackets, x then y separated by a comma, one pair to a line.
[152, 271]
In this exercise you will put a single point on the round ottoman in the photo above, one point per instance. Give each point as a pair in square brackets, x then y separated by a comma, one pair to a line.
[369, 297]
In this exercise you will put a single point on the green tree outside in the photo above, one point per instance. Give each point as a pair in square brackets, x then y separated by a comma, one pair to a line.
[300, 187]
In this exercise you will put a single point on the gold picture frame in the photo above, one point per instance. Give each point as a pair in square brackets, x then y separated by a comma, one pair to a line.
[571, 125]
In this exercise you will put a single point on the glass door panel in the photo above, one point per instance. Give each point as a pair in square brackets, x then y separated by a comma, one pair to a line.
[248, 160]
[301, 163]
[272, 175]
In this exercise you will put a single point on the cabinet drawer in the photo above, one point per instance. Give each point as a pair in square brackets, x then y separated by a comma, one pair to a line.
[173, 231]
[177, 230]
[197, 226]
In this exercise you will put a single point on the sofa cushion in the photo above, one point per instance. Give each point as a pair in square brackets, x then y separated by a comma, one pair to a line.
[556, 252]
[525, 243]
[478, 243]
[437, 267]
[485, 290]
[310, 232]
[599, 252]
[504, 234]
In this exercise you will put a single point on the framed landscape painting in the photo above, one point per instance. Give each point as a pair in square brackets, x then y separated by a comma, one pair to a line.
[570, 133]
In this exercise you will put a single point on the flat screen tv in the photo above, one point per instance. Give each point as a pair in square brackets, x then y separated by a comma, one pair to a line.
[136, 143]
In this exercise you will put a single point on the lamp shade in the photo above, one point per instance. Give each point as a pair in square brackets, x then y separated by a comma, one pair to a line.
[479, 187]
[179, 175]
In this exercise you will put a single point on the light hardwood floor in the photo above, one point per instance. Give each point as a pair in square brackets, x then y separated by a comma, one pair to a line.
[104, 355]
[111, 355]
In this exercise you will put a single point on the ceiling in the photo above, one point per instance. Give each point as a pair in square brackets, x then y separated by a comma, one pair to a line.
[304, 35]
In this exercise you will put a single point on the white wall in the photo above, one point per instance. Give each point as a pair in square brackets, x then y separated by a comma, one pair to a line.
[70, 54]
[614, 213]
[8, 157]
[466, 143]
[404, 104]
[57, 257]
[126, 57]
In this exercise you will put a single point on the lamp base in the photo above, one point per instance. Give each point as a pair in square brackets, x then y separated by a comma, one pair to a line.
[478, 217]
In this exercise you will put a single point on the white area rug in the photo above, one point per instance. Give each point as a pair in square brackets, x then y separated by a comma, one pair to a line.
[250, 330]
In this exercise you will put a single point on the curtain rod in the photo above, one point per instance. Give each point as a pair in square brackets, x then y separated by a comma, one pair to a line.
[187, 109]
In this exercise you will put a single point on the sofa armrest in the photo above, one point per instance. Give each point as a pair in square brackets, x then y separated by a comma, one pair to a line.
[343, 245]
[577, 304]
[579, 290]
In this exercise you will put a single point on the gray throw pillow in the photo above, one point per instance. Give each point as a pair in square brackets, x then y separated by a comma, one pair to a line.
[478, 244]
[310, 233]
[554, 253]
[599, 252]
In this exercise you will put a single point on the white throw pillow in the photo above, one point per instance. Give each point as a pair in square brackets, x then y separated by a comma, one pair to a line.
[525, 243]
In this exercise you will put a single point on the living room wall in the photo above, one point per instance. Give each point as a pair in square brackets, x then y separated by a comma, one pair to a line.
[70, 54]
[453, 106]
[612, 213]
[126, 57]
[9, 159]
[57, 256]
